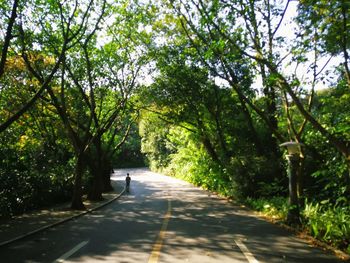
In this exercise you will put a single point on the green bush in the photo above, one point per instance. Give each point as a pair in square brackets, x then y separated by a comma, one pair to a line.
[276, 207]
[253, 177]
[329, 223]
[325, 221]
[32, 174]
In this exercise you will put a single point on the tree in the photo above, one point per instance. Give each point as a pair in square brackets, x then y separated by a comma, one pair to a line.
[8, 35]
[75, 25]
[254, 42]
[328, 24]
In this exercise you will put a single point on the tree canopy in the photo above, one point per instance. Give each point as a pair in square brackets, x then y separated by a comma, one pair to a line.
[205, 90]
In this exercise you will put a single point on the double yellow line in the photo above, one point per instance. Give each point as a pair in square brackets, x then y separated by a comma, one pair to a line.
[159, 242]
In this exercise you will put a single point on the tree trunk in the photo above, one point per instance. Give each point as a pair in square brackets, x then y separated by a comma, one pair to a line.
[77, 202]
[95, 191]
[210, 150]
[96, 165]
[107, 184]
[107, 170]
[293, 217]
[347, 178]
[253, 134]
[300, 177]
[8, 37]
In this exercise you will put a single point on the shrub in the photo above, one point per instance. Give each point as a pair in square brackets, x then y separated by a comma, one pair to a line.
[329, 223]
[276, 207]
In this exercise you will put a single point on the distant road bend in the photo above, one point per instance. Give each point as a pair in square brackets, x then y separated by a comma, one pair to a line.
[164, 219]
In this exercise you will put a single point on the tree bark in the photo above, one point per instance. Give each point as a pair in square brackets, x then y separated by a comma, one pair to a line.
[106, 176]
[293, 216]
[95, 193]
[96, 166]
[347, 179]
[8, 36]
[210, 150]
[77, 202]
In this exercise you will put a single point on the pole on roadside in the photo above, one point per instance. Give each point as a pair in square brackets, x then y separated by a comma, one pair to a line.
[293, 158]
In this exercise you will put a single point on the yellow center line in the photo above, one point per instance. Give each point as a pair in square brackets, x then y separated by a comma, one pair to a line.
[159, 242]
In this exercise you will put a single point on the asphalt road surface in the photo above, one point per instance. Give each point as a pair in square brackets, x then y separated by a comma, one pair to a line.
[163, 219]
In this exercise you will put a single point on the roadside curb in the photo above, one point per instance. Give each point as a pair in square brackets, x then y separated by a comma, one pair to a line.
[30, 233]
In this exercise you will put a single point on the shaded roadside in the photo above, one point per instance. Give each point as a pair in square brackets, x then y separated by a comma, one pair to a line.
[35, 221]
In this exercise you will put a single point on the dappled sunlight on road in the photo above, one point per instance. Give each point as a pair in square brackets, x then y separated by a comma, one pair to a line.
[203, 227]
[164, 219]
[202, 221]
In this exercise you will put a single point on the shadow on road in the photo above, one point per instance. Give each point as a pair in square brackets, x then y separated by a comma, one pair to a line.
[202, 228]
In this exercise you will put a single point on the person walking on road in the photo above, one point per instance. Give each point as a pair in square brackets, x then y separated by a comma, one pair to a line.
[127, 180]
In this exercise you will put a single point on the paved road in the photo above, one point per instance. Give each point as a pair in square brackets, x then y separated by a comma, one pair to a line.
[163, 219]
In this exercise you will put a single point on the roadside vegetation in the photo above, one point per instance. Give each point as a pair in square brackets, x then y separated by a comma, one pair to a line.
[202, 90]
[324, 206]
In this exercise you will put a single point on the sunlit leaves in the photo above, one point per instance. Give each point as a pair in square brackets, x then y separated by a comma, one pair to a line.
[328, 19]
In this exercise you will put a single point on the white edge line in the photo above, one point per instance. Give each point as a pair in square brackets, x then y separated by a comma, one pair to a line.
[70, 252]
[249, 256]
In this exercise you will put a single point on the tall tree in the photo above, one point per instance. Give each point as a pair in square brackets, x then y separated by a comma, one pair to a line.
[251, 29]
[78, 24]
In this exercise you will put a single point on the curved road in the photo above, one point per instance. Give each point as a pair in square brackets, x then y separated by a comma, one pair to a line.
[163, 219]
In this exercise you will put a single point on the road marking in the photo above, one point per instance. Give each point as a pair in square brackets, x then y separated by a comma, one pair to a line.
[159, 242]
[249, 256]
[70, 252]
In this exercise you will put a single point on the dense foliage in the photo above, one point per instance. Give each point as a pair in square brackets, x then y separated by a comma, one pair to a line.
[214, 86]
[229, 89]
[67, 74]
